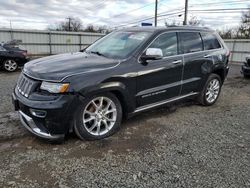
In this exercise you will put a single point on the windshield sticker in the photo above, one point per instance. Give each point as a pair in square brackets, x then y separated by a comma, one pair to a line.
[139, 36]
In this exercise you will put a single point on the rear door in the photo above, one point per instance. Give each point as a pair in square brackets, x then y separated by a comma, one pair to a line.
[213, 48]
[195, 59]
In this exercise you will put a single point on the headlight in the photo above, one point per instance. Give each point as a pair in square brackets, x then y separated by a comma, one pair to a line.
[54, 87]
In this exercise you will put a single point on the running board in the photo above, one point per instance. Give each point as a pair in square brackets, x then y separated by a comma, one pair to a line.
[146, 107]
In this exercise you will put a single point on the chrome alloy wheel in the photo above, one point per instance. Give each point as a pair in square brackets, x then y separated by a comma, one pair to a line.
[10, 65]
[213, 90]
[99, 116]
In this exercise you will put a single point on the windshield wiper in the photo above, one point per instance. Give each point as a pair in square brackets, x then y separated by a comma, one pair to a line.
[97, 53]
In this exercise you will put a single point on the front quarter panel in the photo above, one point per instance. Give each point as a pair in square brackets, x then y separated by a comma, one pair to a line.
[120, 79]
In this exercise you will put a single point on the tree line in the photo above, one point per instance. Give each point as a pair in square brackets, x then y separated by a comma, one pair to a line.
[240, 32]
[75, 24]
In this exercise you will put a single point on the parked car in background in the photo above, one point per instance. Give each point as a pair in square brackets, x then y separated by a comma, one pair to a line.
[245, 69]
[12, 57]
[124, 73]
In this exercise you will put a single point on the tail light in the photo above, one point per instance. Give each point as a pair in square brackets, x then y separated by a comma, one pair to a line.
[228, 53]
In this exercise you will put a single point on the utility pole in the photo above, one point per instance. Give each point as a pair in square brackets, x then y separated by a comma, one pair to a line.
[11, 32]
[10, 25]
[156, 7]
[186, 12]
[69, 22]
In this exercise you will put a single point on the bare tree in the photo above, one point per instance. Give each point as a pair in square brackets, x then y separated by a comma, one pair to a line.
[194, 21]
[75, 24]
[70, 24]
[172, 23]
[90, 28]
[228, 33]
[103, 29]
[244, 28]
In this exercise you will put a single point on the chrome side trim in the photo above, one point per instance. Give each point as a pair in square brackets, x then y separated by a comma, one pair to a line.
[159, 88]
[30, 125]
[167, 86]
[146, 107]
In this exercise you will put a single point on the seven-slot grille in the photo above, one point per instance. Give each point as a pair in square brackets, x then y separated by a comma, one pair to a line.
[25, 85]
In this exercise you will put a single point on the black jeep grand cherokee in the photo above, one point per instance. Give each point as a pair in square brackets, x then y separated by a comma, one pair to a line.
[125, 72]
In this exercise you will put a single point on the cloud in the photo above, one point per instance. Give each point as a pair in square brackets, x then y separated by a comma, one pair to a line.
[39, 14]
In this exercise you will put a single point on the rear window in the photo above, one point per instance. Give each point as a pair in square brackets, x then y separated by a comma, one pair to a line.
[210, 41]
[190, 42]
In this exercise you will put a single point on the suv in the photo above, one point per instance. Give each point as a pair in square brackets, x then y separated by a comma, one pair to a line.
[126, 72]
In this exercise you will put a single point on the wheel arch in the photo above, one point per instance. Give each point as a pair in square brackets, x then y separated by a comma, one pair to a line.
[220, 72]
[118, 89]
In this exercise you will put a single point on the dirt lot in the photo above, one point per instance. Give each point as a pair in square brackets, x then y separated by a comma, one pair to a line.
[185, 145]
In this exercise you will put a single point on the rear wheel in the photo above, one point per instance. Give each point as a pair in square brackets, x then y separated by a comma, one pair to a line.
[211, 91]
[10, 65]
[99, 117]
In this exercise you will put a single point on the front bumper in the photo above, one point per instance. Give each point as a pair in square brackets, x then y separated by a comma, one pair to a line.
[56, 122]
[30, 125]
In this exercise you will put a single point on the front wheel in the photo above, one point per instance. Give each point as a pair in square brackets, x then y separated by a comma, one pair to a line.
[211, 91]
[99, 117]
[10, 65]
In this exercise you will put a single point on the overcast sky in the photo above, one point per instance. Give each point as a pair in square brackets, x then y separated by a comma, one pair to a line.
[39, 14]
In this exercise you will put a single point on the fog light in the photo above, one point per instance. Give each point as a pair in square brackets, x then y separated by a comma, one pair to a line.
[38, 113]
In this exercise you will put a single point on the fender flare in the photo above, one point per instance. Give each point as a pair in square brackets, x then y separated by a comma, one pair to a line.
[118, 88]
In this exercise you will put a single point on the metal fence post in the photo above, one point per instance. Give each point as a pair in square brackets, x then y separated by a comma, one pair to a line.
[80, 42]
[11, 35]
[50, 48]
[234, 41]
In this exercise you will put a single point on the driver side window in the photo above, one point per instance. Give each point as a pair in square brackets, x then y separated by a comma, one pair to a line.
[167, 42]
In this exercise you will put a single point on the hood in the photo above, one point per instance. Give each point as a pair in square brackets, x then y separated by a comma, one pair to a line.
[57, 67]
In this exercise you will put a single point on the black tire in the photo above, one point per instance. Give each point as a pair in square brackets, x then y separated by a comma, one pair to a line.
[202, 99]
[10, 65]
[79, 126]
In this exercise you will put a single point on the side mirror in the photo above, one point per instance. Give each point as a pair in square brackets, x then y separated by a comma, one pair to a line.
[152, 54]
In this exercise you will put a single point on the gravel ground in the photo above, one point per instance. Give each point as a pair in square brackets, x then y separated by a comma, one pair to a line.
[185, 145]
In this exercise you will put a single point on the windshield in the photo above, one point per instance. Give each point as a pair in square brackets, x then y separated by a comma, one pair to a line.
[118, 45]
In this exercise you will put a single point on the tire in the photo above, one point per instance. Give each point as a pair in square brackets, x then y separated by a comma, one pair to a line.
[10, 65]
[211, 91]
[90, 118]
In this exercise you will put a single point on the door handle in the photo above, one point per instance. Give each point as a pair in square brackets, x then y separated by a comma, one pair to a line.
[177, 61]
[207, 56]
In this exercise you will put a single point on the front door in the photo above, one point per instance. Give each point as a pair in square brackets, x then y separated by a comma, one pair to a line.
[159, 80]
